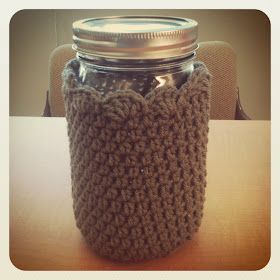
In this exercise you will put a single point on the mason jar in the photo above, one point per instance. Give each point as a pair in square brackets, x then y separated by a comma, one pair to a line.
[138, 164]
[139, 53]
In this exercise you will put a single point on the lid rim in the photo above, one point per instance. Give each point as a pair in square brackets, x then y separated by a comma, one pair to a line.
[127, 43]
[78, 23]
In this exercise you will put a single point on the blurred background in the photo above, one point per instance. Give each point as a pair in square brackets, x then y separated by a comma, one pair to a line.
[35, 33]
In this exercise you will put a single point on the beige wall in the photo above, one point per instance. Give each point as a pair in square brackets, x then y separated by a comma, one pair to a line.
[34, 33]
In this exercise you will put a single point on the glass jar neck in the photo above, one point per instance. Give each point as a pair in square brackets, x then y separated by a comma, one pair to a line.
[151, 65]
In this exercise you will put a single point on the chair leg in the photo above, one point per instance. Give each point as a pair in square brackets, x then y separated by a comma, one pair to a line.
[239, 112]
[47, 110]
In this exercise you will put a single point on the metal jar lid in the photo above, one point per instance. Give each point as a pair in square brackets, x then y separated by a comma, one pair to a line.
[135, 37]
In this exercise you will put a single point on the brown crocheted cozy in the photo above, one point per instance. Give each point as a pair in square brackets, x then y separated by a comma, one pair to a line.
[138, 164]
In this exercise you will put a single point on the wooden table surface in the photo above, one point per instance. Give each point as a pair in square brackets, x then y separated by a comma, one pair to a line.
[235, 231]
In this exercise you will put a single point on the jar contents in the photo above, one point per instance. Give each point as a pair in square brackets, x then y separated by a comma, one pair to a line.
[141, 81]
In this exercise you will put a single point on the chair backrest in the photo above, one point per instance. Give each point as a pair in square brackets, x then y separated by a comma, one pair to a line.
[57, 61]
[218, 56]
[220, 60]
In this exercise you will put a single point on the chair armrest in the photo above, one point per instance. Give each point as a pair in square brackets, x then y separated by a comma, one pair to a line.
[239, 112]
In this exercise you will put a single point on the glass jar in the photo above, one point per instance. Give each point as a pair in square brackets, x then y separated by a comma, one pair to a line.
[134, 52]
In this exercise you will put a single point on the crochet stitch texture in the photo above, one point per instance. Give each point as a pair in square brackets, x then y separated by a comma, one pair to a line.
[138, 164]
